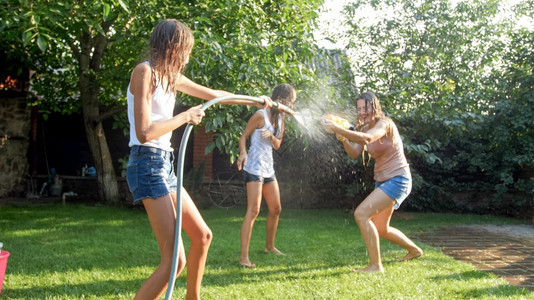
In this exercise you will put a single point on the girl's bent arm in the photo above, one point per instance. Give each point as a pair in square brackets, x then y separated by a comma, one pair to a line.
[275, 141]
[353, 149]
[362, 138]
[142, 88]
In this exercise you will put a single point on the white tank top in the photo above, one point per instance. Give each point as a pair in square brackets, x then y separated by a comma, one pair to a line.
[260, 154]
[162, 109]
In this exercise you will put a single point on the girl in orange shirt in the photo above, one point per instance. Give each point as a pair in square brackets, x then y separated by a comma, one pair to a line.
[379, 136]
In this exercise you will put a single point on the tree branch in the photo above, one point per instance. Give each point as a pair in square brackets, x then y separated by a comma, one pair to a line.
[113, 111]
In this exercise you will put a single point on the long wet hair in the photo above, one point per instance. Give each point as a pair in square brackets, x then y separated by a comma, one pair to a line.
[171, 43]
[372, 100]
[283, 94]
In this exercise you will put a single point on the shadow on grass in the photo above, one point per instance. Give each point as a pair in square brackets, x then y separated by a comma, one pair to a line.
[499, 290]
[239, 275]
[108, 288]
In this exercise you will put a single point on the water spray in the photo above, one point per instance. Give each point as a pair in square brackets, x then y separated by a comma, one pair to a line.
[180, 173]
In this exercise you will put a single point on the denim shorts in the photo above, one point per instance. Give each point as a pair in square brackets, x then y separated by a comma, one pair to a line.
[398, 188]
[150, 173]
[251, 177]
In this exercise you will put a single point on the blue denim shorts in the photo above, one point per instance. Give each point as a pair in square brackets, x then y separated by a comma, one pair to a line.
[398, 188]
[150, 173]
[251, 177]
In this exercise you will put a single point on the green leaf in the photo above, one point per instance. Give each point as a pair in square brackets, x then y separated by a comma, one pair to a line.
[107, 9]
[42, 43]
[35, 19]
[124, 6]
[26, 37]
[209, 148]
[100, 29]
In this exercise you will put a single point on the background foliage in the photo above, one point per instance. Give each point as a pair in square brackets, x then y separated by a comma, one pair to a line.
[457, 78]
[83, 53]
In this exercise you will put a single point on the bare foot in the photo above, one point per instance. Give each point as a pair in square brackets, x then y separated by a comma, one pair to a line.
[369, 269]
[411, 255]
[274, 250]
[246, 263]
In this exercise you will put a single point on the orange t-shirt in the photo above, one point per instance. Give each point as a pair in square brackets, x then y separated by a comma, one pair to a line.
[389, 156]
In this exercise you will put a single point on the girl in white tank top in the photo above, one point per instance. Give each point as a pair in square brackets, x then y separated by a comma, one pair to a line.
[151, 99]
[266, 129]
[260, 154]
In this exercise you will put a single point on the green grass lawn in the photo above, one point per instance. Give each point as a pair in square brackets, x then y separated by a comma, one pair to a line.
[99, 252]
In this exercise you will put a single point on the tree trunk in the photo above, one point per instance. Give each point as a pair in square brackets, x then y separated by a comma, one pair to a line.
[96, 138]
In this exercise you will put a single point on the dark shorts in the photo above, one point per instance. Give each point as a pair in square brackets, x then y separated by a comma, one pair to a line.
[251, 177]
[150, 173]
[397, 188]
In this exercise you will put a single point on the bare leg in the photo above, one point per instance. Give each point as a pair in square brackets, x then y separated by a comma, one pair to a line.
[254, 189]
[271, 192]
[375, 203]
[200, 235]
[162, 216]
[381, 221]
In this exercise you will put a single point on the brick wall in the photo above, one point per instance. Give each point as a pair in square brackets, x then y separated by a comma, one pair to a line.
[14, 142]
[201, 140]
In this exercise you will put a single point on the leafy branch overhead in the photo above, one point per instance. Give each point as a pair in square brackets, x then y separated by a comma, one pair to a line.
[83, 52]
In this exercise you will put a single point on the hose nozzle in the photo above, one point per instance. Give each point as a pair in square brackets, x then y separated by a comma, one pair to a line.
[283, 108]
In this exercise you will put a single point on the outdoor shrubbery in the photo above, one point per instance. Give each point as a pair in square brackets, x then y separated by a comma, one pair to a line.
[458, 80]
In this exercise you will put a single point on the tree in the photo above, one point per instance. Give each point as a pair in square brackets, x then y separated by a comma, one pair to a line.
[83, 53]
[511, 120]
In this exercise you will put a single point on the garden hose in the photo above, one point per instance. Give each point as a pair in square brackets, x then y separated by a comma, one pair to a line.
[180, 171]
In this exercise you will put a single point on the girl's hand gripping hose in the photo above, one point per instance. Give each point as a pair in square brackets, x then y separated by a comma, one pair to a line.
[283, 108]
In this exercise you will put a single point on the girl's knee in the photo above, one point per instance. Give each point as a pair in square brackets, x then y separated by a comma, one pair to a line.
[206, 237]
[361, 215]
[276, 211]
[165, 267]
[253, 212]
[382, 231]
[201, 237]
